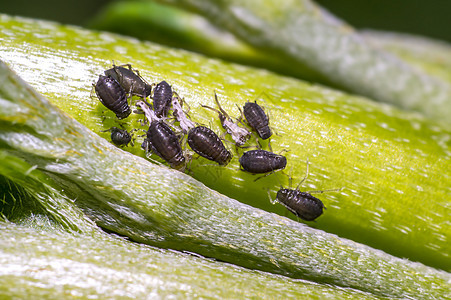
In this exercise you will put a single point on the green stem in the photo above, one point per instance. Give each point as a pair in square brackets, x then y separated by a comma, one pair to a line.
[166, 208]
[301, 31]
[394, 165]
[61, 265]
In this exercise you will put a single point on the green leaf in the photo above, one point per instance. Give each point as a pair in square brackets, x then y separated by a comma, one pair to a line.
[394, 165]
[431, 56]
[83, 261]
[175, 27]
[303, 33]
[126, 194]
[61, 265]
[26, 192]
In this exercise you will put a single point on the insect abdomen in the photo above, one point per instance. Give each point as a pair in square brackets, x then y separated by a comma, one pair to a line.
[120, 137]
[261, 161]
[113, 96]
[206, 143]
[257, 119]
[162, 96]
[302, 204]
[130, 81]
[164, 142]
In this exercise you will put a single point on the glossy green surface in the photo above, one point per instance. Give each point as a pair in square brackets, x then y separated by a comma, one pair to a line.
[158, 206]
[394, 165]
[302, 32]
[175, 27]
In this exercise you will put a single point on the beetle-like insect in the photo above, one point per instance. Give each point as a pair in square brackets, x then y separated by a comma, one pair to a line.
[261, 161]
[302, 204]
[121, 137]
[113, 96]
[162, 140]
[239, 134]
[162, 97]
[257, 119]
[201, 139]
[206, 143]
[130, 80]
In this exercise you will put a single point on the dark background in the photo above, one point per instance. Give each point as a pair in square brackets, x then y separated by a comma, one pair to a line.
[428, 18]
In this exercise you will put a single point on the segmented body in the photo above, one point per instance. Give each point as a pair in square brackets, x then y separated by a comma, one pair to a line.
[257, 119]
[302, 204]
[113, 96]
[131, 82]
[162, 96]
[120, 137]
[261, 161]
[162, 140]
[206, 143]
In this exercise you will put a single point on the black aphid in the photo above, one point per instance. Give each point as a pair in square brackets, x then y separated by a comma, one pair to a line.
[120, 137]
[302, 204]
[257, 119]
[239, 134]
[162, 140]
[130, 80]
[261, 161]
[113, 96]
[206, 143]
[162, 96]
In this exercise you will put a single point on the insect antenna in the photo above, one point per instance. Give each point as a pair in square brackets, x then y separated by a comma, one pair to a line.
[260, 96]
[211, 108]
[306, 175]
[220, 108]
[241, 114]
[326, 191]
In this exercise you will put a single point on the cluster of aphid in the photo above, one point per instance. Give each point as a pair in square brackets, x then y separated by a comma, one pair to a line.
[165, 139]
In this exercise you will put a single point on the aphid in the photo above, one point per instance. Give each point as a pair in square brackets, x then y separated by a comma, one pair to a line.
[239, 134]
[185, 123]
[120, 137]
[257, 119]
[302, 204]
[261, 161]
[113, 96]
[206, 143]
[162, 96]
[162, 140]
[130, 80]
